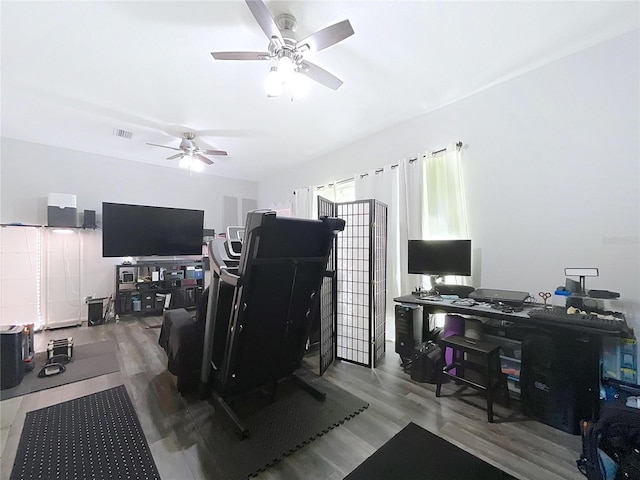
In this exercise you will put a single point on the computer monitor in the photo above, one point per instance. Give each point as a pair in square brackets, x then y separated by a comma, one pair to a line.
[439, 258]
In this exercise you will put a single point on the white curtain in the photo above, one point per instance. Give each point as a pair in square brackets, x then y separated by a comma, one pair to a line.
[414, 219]
[445, 212]
[425, 199]
[20, 275]
[387, 186]
[303, 203]
[436, 206]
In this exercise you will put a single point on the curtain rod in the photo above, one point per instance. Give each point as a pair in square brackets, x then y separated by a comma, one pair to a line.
[459, 145]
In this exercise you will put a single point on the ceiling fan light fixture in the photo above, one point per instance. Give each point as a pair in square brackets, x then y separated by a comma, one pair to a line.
[285, 48]
[185, 161]
[299, 84]
[273, 83]
[285, 68]
[196, 165]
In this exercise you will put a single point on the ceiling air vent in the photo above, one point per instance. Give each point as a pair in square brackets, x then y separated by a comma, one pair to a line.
[118, 132]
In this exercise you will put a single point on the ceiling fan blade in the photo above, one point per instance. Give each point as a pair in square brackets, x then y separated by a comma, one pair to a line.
[163, 146]
[203, 159]
[327, 36]
[173, 157]
[240, 55]
[265, 20]
[320, 75]
[213, 152]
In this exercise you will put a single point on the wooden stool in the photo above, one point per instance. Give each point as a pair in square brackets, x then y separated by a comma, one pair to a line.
[487, 365]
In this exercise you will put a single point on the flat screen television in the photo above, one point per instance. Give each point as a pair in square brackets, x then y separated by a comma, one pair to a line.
[439, 258]
[140, 231]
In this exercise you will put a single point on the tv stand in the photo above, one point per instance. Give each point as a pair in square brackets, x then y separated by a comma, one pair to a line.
[148, 287]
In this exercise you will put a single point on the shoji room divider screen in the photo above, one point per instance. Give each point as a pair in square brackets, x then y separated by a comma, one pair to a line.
[326, 208]
[360, 281]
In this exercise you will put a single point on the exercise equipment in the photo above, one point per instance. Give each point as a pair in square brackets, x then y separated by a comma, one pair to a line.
[258, 338]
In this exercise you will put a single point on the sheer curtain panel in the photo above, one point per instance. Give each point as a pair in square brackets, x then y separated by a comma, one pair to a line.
[303, 205]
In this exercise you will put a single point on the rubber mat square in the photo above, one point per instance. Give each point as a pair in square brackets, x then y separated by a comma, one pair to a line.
[96, 436]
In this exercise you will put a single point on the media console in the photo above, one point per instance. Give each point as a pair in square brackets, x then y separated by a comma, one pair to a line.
[150, 287]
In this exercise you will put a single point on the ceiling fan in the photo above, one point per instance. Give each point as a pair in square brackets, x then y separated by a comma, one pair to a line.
[189, 151]
[288, 51]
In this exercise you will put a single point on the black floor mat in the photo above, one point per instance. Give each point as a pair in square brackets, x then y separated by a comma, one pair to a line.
[417, 454]
[88, 361]
[276, 429]
[95, 436]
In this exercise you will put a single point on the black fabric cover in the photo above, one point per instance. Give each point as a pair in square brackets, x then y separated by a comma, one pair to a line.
[181, 336]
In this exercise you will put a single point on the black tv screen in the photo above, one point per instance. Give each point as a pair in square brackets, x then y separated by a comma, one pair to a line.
[439, 257]
[140, 231]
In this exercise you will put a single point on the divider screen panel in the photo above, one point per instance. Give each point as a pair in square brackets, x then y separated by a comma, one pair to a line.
[326, 208]
[379, 286]
[361, 262]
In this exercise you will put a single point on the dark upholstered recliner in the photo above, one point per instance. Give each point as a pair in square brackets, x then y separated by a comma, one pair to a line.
[182, 337]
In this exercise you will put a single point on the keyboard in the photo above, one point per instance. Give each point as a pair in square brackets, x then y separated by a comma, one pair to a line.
[560, 317]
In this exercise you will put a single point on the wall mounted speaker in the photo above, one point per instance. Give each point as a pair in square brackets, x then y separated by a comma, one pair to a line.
[89, 219]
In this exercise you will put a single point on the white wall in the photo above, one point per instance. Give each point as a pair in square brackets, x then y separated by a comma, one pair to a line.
[552, 170]
[29, 172]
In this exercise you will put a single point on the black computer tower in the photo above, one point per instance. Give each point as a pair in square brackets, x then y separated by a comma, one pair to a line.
[559, 379]
[425, 362]
[408, 329]
[11, 352]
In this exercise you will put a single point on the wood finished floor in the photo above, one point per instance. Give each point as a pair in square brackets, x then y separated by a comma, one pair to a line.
[522, 447]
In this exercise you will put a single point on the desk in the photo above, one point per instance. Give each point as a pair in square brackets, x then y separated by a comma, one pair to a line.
[560, 376]
[485, 310]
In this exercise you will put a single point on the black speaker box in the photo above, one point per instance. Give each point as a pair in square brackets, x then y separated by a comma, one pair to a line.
[89, 219]
[408, 329]
[125, 303]
[95, 316]
[559, 380]
[426, 361]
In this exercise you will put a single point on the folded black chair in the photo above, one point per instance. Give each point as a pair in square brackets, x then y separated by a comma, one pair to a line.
[259, 338]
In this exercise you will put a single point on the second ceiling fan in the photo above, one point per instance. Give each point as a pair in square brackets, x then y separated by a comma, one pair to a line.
[288, 51]
[189, 150]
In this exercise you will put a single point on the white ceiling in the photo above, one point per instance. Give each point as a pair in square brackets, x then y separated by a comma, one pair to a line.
[74, 71]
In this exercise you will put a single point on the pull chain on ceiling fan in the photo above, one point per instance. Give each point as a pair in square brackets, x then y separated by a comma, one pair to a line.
[288, 51]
